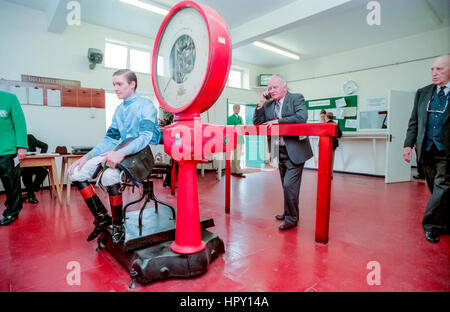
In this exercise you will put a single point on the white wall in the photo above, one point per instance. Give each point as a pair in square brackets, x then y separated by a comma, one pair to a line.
[418, 51]
[28, 48]
[31, 50]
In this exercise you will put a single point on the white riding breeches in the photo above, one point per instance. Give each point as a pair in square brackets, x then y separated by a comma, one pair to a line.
[108, 178]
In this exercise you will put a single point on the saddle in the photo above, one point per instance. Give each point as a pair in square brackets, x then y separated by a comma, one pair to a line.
[136, 167]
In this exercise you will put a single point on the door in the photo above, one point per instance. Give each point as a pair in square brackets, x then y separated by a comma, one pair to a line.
[255, 147]
[400, 105]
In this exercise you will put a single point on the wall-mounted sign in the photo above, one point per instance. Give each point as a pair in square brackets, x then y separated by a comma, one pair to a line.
[46, 80]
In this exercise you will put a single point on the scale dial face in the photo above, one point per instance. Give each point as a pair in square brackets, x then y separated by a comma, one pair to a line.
[182, 58]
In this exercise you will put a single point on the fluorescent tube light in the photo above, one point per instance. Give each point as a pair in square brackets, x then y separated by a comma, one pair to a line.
[276, 50]
[146, 6]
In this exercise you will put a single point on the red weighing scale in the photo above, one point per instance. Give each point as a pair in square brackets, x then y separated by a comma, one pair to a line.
[191, 61]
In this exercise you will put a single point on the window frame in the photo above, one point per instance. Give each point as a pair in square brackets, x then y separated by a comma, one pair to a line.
[241, 74]
[129, 47]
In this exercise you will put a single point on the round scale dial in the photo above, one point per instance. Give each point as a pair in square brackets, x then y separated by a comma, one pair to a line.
[182, 58]
[191, 58]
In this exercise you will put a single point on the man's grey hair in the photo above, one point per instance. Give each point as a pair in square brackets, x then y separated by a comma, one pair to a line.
[283, 81]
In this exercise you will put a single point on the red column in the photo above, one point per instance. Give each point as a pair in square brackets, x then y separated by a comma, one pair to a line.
[173, 178]
[187, 231]
[324, 188]
[227, 181]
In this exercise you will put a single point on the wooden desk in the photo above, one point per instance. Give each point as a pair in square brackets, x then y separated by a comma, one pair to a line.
[45, 161]
[68, 159]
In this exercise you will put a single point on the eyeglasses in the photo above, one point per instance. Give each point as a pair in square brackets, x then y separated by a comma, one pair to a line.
[437, 111]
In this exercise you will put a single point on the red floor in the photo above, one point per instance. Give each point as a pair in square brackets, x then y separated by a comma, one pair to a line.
[370, 221]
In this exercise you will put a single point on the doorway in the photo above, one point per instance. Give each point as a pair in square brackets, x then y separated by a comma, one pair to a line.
[253, 151]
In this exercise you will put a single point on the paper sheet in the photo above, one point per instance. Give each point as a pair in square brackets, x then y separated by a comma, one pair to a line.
[21, 93]
[339, 113]
[350, 112]
[316, 115]
[36, 96]
[332, 110]
[53, 98]
[351, 123]
[319, 103]
[378, 103]
[341, 103]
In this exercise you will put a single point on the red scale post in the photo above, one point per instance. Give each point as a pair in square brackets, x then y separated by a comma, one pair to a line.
[187, 140]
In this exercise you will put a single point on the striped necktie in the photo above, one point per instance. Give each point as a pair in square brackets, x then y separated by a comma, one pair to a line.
[441, 94]
[277, 109]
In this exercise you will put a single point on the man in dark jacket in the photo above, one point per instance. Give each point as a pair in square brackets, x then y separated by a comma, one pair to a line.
[278, 106]
[28, 173]
[429, 127]
[329, 118]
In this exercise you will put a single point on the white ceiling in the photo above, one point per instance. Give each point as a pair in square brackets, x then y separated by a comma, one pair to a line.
[295, 25]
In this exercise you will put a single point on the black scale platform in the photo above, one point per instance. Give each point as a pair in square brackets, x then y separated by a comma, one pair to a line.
[146, 254]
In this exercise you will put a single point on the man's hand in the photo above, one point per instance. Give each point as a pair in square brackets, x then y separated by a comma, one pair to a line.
[21, 153]
[79, 163]
[262, 99]
[407, 153]
[112, 158]
[272, 122]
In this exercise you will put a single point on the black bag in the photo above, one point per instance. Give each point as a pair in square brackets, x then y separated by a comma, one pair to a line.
[137, 166]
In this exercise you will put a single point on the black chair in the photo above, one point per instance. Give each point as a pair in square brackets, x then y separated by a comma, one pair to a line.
[148, 189]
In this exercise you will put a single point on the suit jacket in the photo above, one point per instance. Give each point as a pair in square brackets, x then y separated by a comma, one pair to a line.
[33, 143]
[417, 126]
[335, 139]
[293, 111]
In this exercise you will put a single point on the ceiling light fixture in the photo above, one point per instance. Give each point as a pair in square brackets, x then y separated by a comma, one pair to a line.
[276, 50]
[146, 6]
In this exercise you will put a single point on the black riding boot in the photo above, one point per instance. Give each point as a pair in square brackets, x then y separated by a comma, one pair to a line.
[95, 205]
[115, 200]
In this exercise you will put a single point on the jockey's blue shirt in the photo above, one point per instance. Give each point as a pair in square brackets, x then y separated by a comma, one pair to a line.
[135, 118]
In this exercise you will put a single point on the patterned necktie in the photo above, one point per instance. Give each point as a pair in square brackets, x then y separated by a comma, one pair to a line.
[277, 109]
[441, 94]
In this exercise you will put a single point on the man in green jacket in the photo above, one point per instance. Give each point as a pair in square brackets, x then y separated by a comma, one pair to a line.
[236, 120]
[13, 148]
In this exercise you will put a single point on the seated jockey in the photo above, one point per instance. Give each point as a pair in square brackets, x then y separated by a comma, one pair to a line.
[134, 126]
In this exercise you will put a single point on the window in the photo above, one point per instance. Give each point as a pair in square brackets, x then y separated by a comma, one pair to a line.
[140, 61]
[116, 55]
[122, 55]
[112, 101]
[238, 77]
[235, 78]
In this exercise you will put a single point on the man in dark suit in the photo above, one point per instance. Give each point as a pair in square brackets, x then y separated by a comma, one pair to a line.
[286, 108]
[329, 118]
[28, 173]
[429, 126]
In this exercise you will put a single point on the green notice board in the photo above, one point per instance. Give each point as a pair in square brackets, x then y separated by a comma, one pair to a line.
[314, 106]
